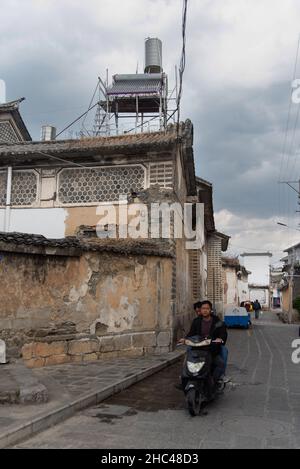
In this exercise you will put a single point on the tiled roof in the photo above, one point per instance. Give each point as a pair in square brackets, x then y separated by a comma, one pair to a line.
[84, 144]
[74, 246]
[39, 240]
[231, 261]
[148, 247]
[33, 153]
[8, 134]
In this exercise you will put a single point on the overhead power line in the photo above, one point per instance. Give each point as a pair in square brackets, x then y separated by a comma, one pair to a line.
[91, 102]
[183, 57]
[61, 159]
[284, 153]
[76, 120]
[284, 150]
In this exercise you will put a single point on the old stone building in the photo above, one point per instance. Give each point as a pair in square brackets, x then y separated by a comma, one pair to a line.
[289, 283]
[68, 295]
[210, 256]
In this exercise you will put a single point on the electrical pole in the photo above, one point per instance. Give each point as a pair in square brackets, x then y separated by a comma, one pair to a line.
[293, 260]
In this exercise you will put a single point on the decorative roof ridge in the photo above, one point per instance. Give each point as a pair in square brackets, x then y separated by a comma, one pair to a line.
[12, 105]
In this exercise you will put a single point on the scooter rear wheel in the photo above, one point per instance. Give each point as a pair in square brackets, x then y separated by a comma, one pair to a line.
[193, 400]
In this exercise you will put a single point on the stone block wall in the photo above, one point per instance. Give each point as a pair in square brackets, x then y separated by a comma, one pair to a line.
[53, 351]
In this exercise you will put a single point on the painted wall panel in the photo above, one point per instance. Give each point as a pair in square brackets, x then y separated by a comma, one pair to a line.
[47, 222]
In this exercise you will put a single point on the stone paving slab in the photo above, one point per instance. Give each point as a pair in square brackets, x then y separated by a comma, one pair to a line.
[260, 409]
[18, 385]
[74, 387]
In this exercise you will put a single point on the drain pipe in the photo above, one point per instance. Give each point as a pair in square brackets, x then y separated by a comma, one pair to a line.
[8, 200]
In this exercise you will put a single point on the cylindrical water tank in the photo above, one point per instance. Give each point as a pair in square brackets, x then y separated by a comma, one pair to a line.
[48, 133]
[153, 55]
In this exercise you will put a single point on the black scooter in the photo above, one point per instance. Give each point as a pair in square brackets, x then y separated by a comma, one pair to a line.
[197, 379]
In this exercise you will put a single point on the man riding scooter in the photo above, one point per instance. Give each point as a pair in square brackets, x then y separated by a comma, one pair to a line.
[208, 325]
[223, 348]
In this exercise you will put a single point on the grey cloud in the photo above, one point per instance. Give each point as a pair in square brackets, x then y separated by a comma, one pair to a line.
[238, 147]
[53, 57]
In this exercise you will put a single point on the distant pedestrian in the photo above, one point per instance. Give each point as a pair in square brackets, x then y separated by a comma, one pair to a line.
[257, 308]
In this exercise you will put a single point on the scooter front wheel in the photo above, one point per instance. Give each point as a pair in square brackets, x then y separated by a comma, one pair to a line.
[193, 400]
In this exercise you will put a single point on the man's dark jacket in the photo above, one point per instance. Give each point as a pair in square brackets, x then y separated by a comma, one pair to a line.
[218, 330]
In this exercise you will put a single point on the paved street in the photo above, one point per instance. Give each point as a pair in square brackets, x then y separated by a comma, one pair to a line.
[261, 409]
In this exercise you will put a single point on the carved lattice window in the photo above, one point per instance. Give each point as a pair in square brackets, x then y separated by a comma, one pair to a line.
[24, 188]
[7, 133]
[195, 274]
[161, 174]
[81, 186]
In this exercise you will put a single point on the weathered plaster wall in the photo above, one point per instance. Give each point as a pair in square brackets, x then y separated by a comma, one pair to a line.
[183, 292]
[260, 294]
[77, 216]
[95, 296]
[243, 289]
[230, 287]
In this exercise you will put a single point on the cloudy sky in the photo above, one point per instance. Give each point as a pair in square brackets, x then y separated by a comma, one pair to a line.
[240, 64]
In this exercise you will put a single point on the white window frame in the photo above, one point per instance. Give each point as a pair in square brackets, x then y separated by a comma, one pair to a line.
[36, 203]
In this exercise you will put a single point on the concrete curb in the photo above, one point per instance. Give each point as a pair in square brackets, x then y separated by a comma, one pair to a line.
[55, 416]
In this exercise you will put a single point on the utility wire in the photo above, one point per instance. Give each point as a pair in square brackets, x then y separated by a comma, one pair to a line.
[290, 101]
[62, 160]
[183, 59]
[287, 125]
[141, 125]
[91, 102]
[78, 118]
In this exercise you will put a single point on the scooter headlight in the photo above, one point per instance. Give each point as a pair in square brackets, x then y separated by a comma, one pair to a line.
[194, 368]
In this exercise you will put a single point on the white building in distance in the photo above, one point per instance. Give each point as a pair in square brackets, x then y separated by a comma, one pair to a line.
[259, 279]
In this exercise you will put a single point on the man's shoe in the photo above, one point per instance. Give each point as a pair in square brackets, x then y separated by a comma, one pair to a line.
[220, 385]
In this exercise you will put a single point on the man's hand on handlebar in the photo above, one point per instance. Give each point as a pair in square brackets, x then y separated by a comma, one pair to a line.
[181, 342]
